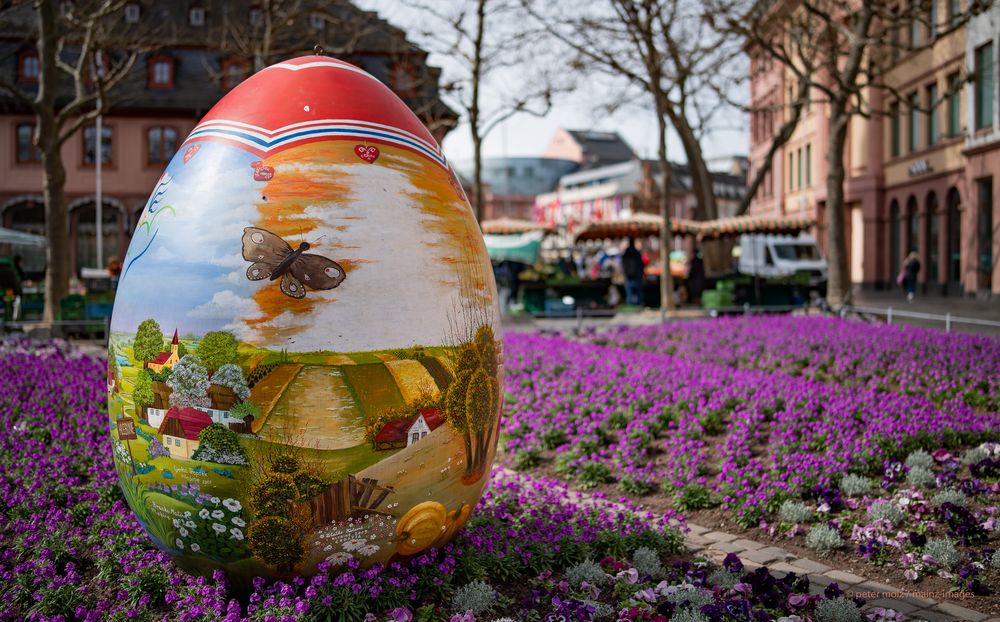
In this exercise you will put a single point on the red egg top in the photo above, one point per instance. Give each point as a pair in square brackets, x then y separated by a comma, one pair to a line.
[313, 98]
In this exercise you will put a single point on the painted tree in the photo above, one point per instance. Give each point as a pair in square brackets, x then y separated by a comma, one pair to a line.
[217, 443]
[142, 392]
[230, 375]
[189, 380]
[454, 408]
[148, 342]
[480, 401]
[216, 349]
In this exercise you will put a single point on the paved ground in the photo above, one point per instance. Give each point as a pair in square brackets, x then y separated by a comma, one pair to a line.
[715, 545]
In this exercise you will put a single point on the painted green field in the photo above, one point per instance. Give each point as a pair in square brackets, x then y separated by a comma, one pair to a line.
[374, 387]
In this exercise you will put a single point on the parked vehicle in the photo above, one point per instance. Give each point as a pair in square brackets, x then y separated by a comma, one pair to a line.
[776, 256]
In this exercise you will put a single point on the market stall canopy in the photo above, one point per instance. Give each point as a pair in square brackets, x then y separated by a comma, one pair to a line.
[523, 247]
[639, 225]
[20, 238]
[509, 226]
[731, 227]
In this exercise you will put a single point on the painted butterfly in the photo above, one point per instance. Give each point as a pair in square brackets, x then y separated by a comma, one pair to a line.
[273, 258]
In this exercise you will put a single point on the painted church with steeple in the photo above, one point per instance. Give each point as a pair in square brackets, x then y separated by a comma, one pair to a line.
[167, 359]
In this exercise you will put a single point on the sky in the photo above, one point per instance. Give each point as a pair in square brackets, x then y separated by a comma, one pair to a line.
[528, 135]
[186, 269]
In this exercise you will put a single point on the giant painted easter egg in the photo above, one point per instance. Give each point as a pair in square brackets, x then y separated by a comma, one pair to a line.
[305, 358]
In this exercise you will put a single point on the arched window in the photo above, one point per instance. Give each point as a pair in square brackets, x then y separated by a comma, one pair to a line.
[894, 239]
[30, 218]
[954, 237]
[931, 234]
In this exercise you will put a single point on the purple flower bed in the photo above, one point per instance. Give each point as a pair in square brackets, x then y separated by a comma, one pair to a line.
[911, 360]
[649, 420]
[70, 548]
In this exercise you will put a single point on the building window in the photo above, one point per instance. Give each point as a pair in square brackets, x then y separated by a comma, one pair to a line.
[791, 167]
[317, 21]
[954, 104]
[132, 13]
[28, 67]
[985, 232]
[984, 86]
[162, 144]
[415, 437]
[799, 156]
[915, 24]
[196, 16]
[913, 103]
[954, 12]
[234, 71]
[932, 17]
[894, 127]
[161, 72]
[809, 165]
[26, 149]
[90, 144]
[402, 77]
[933, 127]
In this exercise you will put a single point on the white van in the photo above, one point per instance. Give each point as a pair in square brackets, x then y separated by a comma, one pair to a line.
[768, 255]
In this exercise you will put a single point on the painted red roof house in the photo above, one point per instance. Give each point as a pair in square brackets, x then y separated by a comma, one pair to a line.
[180, 428]
[405, 432]
[167, 359]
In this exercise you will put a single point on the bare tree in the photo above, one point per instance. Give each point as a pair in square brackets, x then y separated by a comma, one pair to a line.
[484, 41]
[69, 38]
[844, 54]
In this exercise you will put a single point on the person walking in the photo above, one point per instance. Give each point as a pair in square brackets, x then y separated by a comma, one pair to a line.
[911, 268]
[634, 269]
[696, 277]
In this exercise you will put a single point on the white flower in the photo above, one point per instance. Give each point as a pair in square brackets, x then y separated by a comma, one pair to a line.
[368, 549]
[219, 528]
[353, 544]
[184, 532]
[327, 548]
[236, 533]
[179, 543]
[218, 514]
[232, 505]
[195, 547]
[187, 514]
[339, 558]
[204, 513]
[239, 522]
[177, 522]
[189, 524]
[216, 501]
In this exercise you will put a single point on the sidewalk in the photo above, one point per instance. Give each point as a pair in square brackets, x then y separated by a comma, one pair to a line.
[939, 305]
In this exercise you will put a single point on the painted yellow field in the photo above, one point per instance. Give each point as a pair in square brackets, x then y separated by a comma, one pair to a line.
[413, 380]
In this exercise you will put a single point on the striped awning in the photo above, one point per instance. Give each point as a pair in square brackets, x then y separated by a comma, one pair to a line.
[726, 227]
[509, 226]
[641, 225]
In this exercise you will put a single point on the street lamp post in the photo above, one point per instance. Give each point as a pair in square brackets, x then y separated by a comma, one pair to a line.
[99, 161]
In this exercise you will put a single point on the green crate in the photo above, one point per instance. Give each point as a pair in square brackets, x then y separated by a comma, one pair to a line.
[716, 299]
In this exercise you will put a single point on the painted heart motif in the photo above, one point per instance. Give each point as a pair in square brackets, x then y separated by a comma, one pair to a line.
[367, 153]
[189, 153]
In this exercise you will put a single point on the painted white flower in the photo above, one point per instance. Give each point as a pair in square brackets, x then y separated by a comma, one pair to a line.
[218, 514]
[368, 549]
[239, 522]
[187, 514]
[177, 522]
[184, 532]
[353, 544]
[195, 547]
[219, 528]
[216, 501]
[189, 524]
[236, 533]
[340, 558]
[179, 543]
[327, 548]
[232, 505]
[204, 513]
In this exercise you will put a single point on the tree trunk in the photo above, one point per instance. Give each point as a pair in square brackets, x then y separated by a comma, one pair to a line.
[838, 281]
[468, 452]
[477, 140]
[54, 182]
[701, 178]
[666, 236]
